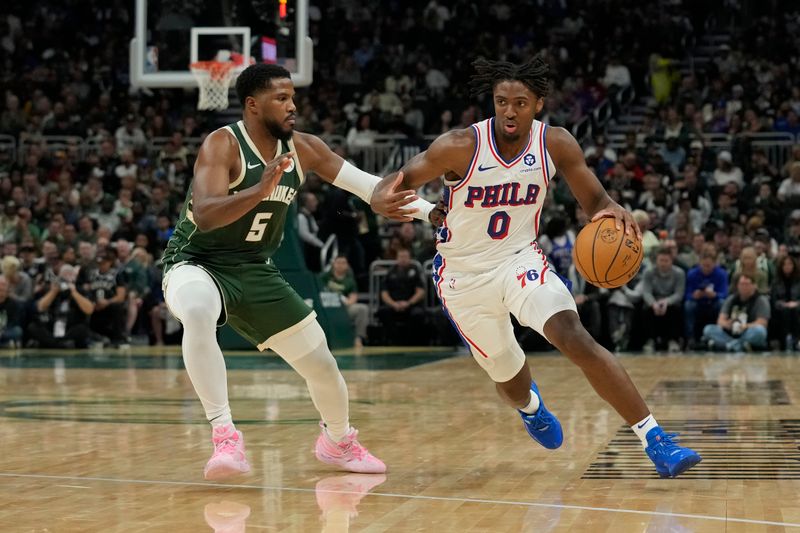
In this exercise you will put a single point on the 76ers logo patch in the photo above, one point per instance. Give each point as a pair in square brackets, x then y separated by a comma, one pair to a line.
[530, 159]
[524, 275]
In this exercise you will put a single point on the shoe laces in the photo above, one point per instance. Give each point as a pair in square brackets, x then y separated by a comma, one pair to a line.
[540, 419]
[227, 445]
[352, 446]
[668, 440]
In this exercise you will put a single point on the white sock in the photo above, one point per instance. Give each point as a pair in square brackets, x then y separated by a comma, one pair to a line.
[532, 406]
[642, 427]
[195, 301]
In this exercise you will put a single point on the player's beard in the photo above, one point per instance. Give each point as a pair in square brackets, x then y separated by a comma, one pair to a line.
[279, 130]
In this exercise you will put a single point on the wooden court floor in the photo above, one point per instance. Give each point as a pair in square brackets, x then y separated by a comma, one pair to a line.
[117, 442]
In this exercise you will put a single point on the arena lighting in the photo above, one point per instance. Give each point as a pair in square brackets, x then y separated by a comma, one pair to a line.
[282, 9]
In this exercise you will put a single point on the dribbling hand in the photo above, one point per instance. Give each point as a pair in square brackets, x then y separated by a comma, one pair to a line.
[622, 217]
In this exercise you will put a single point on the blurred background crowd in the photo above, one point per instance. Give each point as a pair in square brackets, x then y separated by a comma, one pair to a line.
[688, 113]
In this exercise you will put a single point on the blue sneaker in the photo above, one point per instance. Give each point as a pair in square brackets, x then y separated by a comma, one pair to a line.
[543, 426]
[670, 459]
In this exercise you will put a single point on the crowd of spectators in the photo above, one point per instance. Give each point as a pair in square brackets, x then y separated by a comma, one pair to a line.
[86, 224]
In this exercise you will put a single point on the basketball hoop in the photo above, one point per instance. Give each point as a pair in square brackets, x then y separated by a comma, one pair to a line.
[214, 79]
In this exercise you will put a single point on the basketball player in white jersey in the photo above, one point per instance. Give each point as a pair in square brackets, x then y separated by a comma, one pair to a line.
[489, 265]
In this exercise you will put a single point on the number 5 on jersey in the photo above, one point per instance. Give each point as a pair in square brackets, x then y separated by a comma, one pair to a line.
[258, 228]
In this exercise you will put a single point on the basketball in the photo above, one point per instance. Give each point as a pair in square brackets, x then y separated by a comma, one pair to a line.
[605, 256]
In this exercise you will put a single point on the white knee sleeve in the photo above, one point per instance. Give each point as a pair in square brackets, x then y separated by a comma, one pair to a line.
[301, 342]
[307, 352]
[192, 296]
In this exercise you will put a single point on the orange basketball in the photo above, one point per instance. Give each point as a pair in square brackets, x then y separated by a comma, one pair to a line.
[605, 256]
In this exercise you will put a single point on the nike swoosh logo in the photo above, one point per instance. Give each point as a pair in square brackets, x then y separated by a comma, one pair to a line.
[640, 426]
[543, 428]
[251, 167]
[481, 168]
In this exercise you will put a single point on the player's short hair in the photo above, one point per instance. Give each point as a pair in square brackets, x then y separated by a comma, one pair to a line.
[257, 78]
[534, 73]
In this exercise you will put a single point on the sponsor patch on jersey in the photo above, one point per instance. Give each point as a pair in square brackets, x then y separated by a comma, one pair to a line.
[530, 159]
[290, 167]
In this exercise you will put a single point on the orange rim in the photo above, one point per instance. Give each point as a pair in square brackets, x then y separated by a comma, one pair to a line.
[216, 69]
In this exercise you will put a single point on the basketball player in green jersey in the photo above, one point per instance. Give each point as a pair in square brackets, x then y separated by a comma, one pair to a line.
[218, 269]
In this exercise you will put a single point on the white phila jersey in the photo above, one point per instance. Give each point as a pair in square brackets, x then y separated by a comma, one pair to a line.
[494, 210]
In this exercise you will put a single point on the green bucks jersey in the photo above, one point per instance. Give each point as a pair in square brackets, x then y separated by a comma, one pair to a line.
[255, 236]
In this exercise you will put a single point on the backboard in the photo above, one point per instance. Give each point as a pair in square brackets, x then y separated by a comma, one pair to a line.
[169, 35]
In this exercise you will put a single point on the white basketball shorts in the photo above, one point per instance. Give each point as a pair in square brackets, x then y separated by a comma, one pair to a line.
[478, 305]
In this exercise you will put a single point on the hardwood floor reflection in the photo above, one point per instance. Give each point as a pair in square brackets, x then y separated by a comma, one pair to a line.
[117, 442]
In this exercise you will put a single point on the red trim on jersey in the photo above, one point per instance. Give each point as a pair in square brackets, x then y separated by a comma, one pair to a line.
[473, 163]
[546, 164]
[496, 154]
[444, 304]
[543, 158]
[536, 222]
[544, 260]
[439, 283]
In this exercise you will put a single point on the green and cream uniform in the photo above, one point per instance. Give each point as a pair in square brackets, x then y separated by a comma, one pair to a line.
[257, 301]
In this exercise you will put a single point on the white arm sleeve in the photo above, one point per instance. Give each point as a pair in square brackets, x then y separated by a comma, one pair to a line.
[362, 184]
[356, 181]
[424, 208]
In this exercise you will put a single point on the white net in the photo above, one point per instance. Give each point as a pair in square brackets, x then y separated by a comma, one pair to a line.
[213, 78]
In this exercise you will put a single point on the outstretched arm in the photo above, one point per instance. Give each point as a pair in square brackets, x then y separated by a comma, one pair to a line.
[318, 157]
[587, 189]
[451, 152]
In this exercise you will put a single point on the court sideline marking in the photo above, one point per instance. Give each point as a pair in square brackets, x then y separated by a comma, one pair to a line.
[405, 496]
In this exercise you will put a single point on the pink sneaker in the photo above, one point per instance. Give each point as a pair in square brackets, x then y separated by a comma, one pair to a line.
[228, 458]
[349, 454]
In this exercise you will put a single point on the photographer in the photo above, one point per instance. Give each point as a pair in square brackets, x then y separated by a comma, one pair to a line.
[63, 312]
